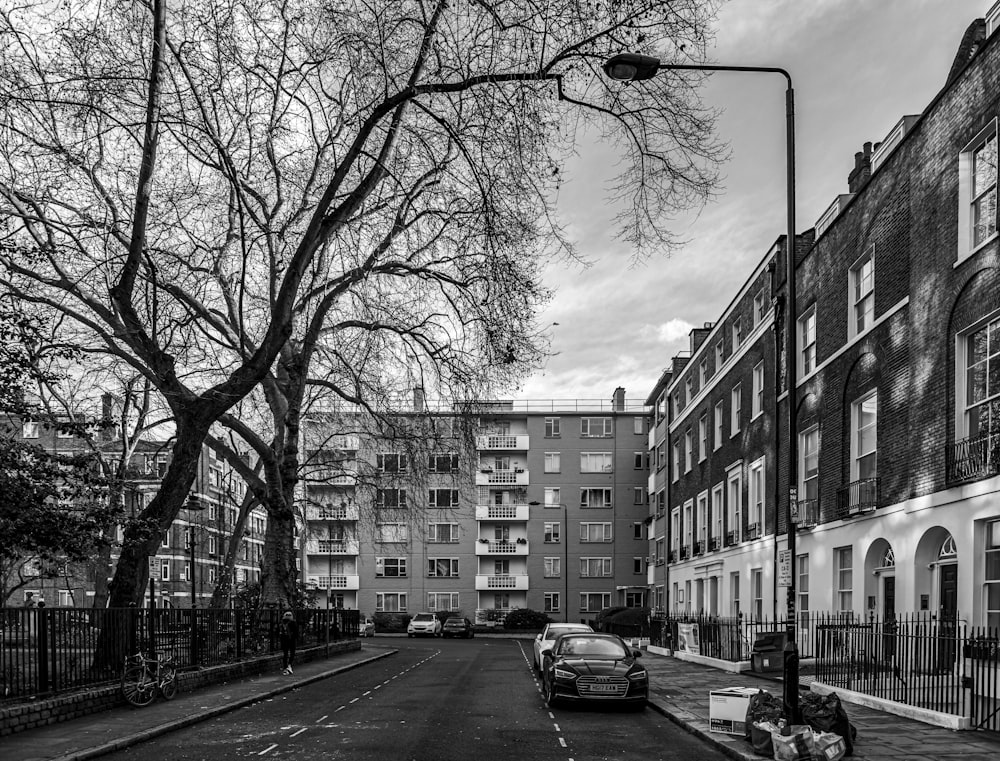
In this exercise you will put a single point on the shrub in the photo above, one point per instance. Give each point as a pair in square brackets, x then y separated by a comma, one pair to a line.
[525, 618]
[391, 622]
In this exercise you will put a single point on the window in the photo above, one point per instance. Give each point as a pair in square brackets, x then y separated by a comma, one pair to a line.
[807, 340]
[595, 497]
[186, 571]
[688, 390]
[675, 399]
[638, 426]
[802, 588]
[687, 525]
[637, 529]
[737, 334]
[977, 194]
[757, 593]
[734, 593]
[595, 462]
[675, 529]
[638, 461]
[443, 463]
[29, 429]
[213, 547]
[719, 412]
[703, 437]
[394, 567]
[735, 508]
[164, 570]
[213, 575]
[390, 462]
[757, 485]
[702, 373]
[594, 603]
[595, 532]
[551, 427]
[638, 495]
[688, 450]
[716, 516]
[992, 575]
[551, 462]
[638, 565]
[843, 561]
[703, 521]
[661, 455]
[390, 602]
[553, 568]
[720, 355]
[809, 465]
[442, 533]
[442, 567]
[595, 427]
[62, 433]
[552, 532]
[759, 307]
[390, 498]
[757, 402]
[595, 567]
[551, 602]
[735, 409]
[552, 496]
[862, 293]
[864, 454]
[442, 498]
[391, 532]
[982, 381]
[677, 461]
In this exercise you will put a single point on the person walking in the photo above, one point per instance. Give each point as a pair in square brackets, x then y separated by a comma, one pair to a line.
[288, 633]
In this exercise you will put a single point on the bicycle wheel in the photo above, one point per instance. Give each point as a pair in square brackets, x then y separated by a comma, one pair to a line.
[138, 687]
[168, 682]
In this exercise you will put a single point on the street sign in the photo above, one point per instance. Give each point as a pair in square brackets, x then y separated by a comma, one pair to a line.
[784, 568]
[793, 501]
[154, 569]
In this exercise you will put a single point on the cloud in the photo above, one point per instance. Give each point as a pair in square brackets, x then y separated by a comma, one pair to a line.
[673, 330]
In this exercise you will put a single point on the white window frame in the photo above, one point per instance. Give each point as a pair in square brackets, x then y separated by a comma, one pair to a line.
[553, 496]
[757, 488]
[552, 568]
[675, 529]
[719, 413]
[433, 568]
[688, 450]
[735, 409]
[29, 429]
[552, 532]
[551, 602]
[434, 533]
[596, 462]
[858, 451]
[720, 355]
[601, 528]
[596, 427]
[703, 437]
[603, 603]
[757, 593]
[734, 503]
[552, 428]
[552, 462]
[757, 401]
[702, 372]
[434, 600]
[861, 294]
[398, 529]
[638, 426]
[735, 580]
[687, 524]
[759, 307]
[843, 593]
[677, 461]
[991, 586]
[809, 462]
[602, 566]
[966, 244]
[807, 341]
[717, 510]
[604, 494]
[398, 563]
[702, 520]
[398, 597]
[802, 587]
[736, 333]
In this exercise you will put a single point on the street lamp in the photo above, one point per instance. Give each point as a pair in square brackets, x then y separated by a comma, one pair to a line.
[632, 67]
[565, 544]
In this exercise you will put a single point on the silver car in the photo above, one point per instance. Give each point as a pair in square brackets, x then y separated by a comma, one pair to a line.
[544, 640]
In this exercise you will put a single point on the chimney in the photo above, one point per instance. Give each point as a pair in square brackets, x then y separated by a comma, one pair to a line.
[698, 336]
[618, 400]
[419, 403]
[862, 169]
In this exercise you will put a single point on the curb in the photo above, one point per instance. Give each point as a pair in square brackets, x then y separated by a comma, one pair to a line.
[148, 734]
[707, 737]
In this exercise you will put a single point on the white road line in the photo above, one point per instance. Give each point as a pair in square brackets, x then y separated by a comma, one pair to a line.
[562, 742]
[377, 686]
[366, 694]
[354, 701]
[268, 749]
[340, 709]
[551, 715]
[556, 726]
[299, 732]
[321, 718]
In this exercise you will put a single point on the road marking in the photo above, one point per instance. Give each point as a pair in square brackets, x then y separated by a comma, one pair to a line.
[366, 694]
[340, 709]
[268, 749]
[354, 701]
[551, 715]
[377, 686]
[562, 742]
[556, 726]
[322, 717]
[299, 732]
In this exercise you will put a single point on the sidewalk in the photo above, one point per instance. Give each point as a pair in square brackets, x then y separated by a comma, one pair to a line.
[679, 690]
[100, 733]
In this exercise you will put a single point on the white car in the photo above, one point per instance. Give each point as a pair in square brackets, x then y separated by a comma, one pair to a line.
[544, 640]
[424, 624]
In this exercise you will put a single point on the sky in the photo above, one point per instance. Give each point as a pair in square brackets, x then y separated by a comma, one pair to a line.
[857, 67]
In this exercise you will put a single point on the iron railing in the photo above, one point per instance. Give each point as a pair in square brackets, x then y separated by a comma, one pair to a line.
[976, 457]
[861, 496]
[50, 650]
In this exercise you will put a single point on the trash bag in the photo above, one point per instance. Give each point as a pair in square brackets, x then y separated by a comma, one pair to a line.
[760, 736]
[798, 745]
[762, 707]
[826, 713]
[829, 747]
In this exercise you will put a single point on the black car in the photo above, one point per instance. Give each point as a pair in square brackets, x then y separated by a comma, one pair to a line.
[593, 666]
[457, 627]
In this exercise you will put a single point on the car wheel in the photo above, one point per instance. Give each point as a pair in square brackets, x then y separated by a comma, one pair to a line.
[548, 693]
[409, 635]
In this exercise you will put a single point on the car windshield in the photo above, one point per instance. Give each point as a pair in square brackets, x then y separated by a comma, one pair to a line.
[554, 631]
[592, 646]
[454, 622]
[423, 617]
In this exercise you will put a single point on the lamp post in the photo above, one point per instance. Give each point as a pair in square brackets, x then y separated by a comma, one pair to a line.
[633, 67]
[565, 544]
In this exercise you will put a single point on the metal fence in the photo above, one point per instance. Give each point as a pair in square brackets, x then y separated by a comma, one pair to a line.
[48, 650]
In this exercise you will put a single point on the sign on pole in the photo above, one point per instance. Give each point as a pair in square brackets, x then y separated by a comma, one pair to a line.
[154, 569]
[793, 502]
[784, 568]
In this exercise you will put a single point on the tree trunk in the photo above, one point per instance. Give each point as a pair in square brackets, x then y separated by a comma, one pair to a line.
[224, 588]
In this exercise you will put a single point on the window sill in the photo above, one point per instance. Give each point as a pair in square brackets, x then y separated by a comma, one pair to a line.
[973, 251]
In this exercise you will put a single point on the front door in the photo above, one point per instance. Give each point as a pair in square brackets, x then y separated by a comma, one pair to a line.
[889, 616]
[947, 616]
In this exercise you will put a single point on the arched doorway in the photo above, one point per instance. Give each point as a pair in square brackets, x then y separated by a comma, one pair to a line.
[936, 574]
[880, 580]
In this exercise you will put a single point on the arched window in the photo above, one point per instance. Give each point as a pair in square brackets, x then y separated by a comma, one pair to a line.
[948, 549]
[888, 558]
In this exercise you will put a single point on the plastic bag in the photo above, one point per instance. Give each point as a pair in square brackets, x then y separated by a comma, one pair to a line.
[825, 713]
[760, 736]
[829, 747]
[763, 707]
[796, 746]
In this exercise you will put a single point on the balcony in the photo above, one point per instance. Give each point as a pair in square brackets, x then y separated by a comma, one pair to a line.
[504, 583]
[858, 497]
[672, 557]
[332, 547]
[331, 476]
[332, 513]
[685, 552]
[348, 583]
[714, 543]
[502, 512]
[969, 459]
[753, 531]
[502, 442]
[699, 547]
[492, 547]
[732, 538]
[808, 513]
[512, 477]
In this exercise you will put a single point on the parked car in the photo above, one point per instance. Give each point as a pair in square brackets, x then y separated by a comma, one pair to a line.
[581, 667]
[547, 637]
[424, 624]
[457, 627]
[366, 628]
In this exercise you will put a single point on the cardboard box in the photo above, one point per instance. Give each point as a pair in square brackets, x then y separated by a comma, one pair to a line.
[727, 709]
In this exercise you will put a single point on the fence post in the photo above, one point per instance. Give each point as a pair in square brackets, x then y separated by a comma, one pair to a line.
[239, 620]
[194, 636]
[41, 647]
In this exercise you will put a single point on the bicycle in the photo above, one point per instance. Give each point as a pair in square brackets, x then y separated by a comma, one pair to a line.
[143, 677]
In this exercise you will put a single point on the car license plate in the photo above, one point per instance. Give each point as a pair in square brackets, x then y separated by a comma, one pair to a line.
[604, 688]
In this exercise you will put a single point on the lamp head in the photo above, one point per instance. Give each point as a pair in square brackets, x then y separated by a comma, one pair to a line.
[631, 67]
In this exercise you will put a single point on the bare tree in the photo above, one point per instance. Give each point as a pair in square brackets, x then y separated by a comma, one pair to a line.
[323, 160]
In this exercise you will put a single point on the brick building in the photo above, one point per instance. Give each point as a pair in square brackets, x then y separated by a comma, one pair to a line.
[897, 393]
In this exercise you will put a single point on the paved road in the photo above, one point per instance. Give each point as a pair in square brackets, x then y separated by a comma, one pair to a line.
[435, 700]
